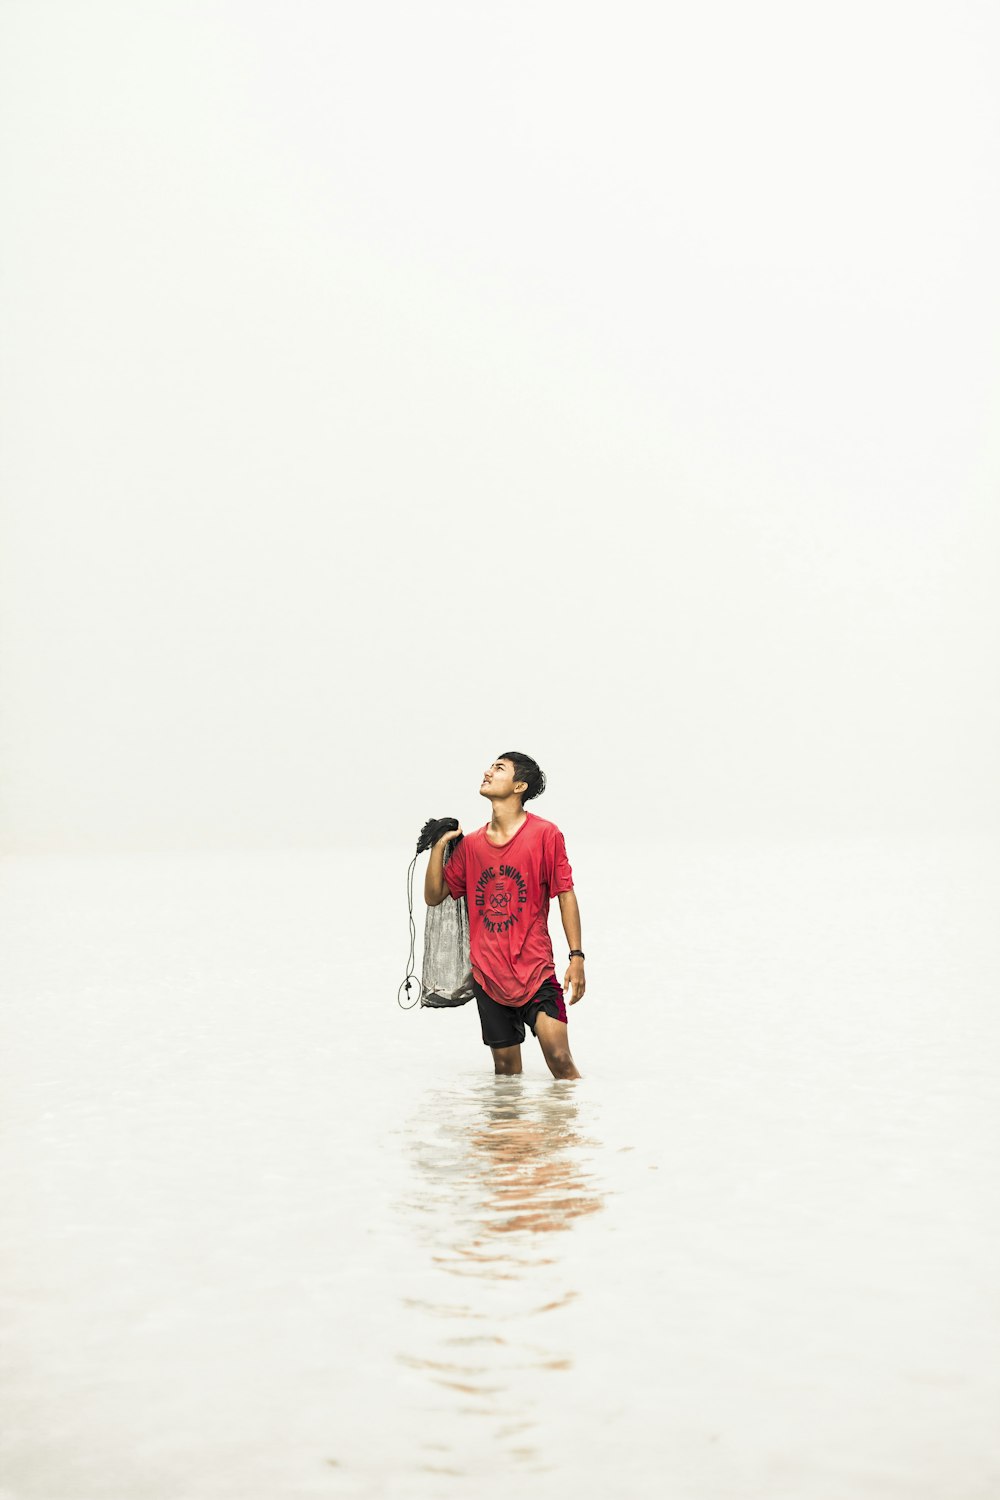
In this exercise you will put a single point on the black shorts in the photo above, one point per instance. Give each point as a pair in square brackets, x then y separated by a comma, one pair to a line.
[503, 1025]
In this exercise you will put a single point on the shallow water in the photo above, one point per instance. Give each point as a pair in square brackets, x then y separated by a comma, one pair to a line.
[266, 1235]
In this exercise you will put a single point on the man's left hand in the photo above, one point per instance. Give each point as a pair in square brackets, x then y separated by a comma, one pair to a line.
[574, 977]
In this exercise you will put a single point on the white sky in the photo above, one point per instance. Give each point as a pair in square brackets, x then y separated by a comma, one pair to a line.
[385, 386]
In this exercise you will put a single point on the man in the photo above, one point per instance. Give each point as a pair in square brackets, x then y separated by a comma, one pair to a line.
[509, 869]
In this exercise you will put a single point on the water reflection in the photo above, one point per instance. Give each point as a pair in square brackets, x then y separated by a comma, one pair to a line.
[503, 1169]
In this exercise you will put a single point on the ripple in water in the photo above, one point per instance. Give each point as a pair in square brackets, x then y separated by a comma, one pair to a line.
[503, 1169]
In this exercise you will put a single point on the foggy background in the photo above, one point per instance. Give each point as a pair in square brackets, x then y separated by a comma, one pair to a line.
[386, 386]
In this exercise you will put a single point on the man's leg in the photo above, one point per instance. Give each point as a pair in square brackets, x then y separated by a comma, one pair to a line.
[503, 1032]
[554, 1039]
[506, 1059]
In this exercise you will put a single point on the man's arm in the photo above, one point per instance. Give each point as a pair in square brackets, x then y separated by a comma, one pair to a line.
[435, 885]
[569, 910]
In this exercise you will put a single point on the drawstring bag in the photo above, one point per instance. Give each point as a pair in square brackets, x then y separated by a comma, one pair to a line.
[446, 975]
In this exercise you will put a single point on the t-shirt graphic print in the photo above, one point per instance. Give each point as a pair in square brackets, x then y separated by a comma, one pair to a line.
[508, 887]
[501, 897]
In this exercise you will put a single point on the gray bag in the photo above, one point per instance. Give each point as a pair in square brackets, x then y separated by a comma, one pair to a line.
[446, 973]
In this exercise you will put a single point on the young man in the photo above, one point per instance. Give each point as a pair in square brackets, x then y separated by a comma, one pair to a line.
[509, 869]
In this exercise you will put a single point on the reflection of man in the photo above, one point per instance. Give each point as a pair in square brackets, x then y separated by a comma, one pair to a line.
[531, 1152]
[513, 970]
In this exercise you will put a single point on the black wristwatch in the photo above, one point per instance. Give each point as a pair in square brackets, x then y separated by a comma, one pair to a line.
[577, 953]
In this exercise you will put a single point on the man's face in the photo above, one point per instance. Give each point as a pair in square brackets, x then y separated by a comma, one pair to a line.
[498, 782]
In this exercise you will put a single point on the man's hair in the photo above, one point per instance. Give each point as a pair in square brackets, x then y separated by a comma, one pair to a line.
[526, 769]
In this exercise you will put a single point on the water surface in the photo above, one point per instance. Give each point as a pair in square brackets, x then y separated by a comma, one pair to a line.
[265, 1235]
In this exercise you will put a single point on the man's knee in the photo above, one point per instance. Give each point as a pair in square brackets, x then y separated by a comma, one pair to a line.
[555, 1042]
[506, 1060]
[558, 1056]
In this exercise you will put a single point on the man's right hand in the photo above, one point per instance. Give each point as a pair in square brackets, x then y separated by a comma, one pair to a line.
[454, 833]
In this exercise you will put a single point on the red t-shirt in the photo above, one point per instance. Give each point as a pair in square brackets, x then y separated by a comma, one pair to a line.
[508, 887]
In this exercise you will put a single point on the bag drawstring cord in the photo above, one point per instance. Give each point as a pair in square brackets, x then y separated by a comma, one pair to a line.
[411, 975]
